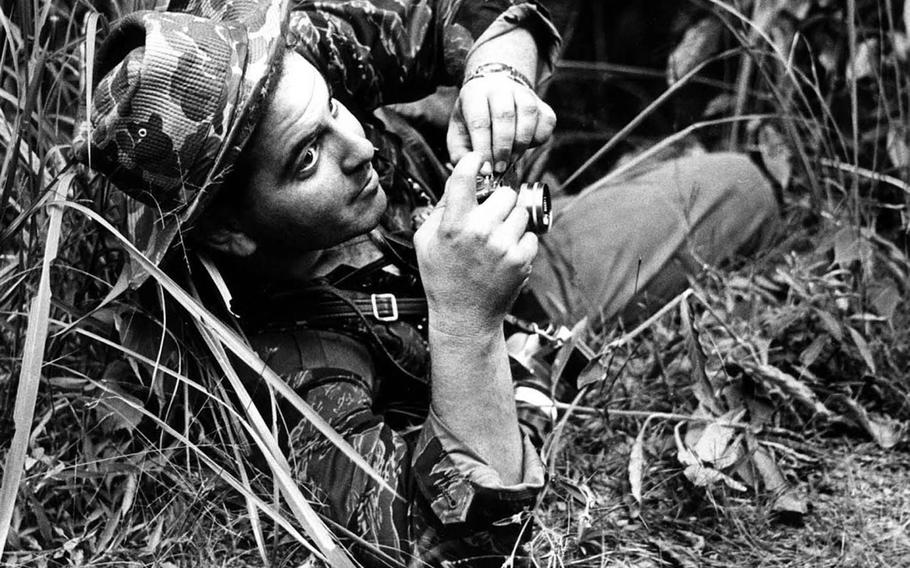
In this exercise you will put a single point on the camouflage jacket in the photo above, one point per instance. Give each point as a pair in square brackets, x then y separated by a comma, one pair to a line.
[451, 508]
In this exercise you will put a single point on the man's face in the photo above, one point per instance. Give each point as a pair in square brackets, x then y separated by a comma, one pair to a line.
[311, 185]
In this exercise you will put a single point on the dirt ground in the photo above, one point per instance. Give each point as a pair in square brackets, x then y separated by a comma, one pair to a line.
[859, 516]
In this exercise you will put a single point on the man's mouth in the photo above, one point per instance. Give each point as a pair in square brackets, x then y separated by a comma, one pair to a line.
[371, 183]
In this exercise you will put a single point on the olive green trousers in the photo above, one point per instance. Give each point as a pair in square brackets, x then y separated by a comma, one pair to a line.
[621, 250]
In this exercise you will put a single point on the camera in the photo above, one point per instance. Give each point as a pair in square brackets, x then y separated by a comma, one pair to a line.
[533, 197]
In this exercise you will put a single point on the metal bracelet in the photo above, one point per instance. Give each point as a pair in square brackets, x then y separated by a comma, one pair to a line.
[494, 68]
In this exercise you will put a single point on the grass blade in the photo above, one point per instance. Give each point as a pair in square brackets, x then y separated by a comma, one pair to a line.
[91, 29]
[32, 362]
[255, 523]
[641, 117]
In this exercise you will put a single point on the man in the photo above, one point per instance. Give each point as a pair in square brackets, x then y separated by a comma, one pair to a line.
[299, 220]
[254, 140]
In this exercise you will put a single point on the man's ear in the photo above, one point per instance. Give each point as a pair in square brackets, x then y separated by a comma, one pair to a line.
[230, 241]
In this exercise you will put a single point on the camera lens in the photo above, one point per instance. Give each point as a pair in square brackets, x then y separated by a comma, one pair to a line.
[535, 198]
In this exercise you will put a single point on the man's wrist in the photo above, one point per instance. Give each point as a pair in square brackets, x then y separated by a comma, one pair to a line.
[445, 326]
[493, 68]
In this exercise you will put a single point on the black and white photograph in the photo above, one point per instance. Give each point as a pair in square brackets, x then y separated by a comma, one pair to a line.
[455, 283]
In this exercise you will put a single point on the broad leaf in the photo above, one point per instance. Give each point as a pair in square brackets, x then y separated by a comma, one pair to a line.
[898, 151]
[864, 349]
[713, 445]
[786, 498]
[791, 386]
[887, 432]
[698, 44]
[776, 154]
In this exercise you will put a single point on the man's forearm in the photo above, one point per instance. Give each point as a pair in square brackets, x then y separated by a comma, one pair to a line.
[472, 393]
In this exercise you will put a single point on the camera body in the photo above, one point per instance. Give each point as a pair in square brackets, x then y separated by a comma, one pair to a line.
[533, 197]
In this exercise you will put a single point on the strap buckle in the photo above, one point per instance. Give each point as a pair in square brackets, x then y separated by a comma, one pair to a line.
[385, 307]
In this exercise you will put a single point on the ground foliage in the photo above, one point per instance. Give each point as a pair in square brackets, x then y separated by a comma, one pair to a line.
[761, 418]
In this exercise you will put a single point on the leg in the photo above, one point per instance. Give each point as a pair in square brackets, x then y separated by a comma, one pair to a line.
[626, 248]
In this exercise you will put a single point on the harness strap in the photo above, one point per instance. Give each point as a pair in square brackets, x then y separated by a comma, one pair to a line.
[318, 305]
[380, 307]
[324, 303]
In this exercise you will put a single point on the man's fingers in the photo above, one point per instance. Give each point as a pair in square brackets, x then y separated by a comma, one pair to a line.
[522, 252]
[546, 122]
[475, 110]
[498, 123]
[460, 195]
[458, 139]
[498, 205]
[430, 225]
[526, 109]
[519, 119]
[515, 224]
[502, 112]
[527, 246]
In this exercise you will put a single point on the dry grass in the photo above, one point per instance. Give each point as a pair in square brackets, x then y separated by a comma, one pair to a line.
[797, 362]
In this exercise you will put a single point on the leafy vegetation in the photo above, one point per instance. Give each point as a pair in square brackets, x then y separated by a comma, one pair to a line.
[717, 431]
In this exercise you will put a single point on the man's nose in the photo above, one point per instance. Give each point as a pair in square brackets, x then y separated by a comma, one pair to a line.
[358, 151]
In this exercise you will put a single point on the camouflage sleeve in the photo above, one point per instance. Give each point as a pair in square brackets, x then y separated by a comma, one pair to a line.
[388, 51]
[449, 506]
[334, 374]
[473, 512]
[375, 516]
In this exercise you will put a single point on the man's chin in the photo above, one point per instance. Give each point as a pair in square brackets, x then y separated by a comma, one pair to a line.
[382, 203]
[374, 211]
[363, 223]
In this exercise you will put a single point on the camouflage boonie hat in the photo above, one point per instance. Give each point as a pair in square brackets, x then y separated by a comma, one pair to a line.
[177, 99]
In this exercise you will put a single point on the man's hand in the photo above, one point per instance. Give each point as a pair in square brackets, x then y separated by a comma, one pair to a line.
[473, 259]
[498, 118]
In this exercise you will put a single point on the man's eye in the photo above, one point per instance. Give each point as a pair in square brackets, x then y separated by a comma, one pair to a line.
[309, 159]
